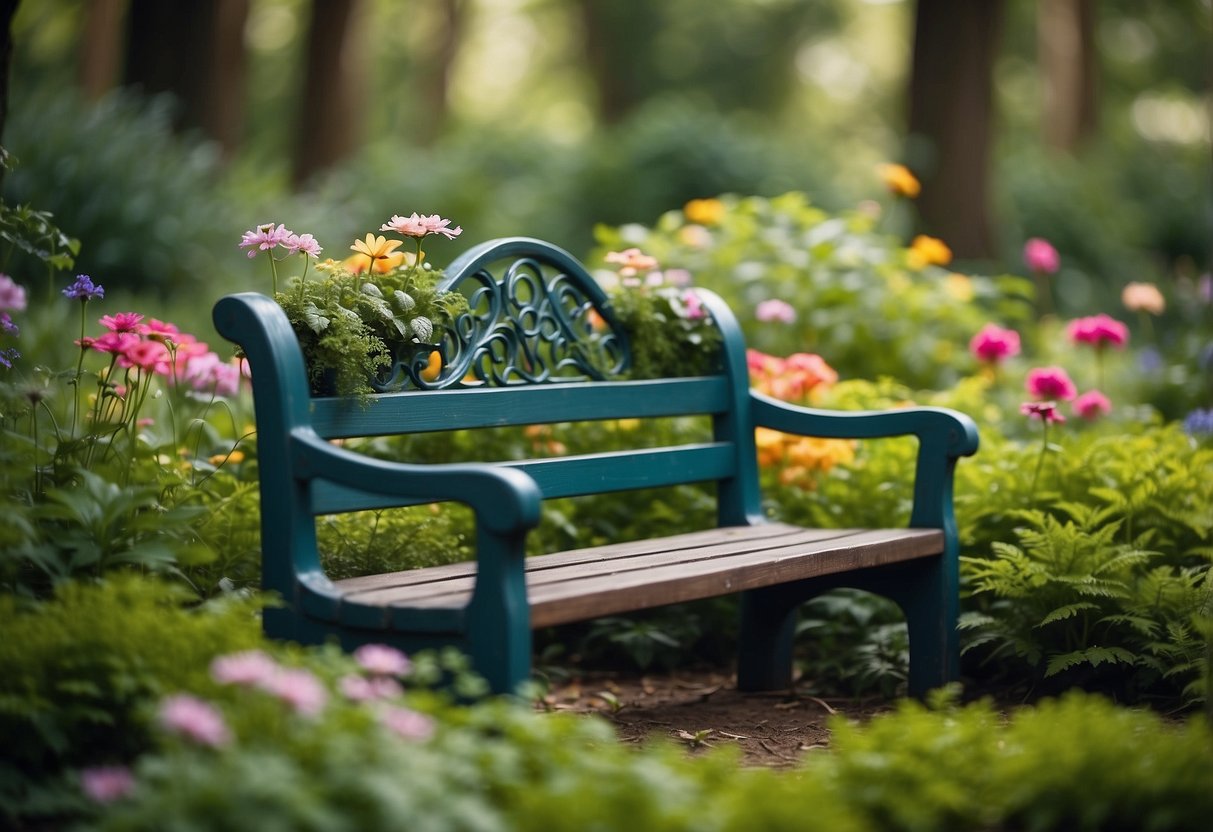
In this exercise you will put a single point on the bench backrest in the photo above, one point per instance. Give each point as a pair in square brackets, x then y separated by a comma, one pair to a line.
[541, 344]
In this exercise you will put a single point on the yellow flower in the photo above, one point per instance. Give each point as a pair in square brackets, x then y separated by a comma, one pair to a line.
[925, 251]
[235, 457]
[433, 366]
[374, 252]
[899, 180]
[1143, 297]
[959, 286]
[704, 211]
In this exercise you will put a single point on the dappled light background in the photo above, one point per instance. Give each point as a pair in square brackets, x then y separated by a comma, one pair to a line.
[156, 132]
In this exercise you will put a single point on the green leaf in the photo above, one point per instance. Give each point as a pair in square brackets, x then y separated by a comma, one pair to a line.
[315, 321]
[1068, 611]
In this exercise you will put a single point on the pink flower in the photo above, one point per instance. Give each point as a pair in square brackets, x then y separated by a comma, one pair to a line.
[1044, 411]
[1050, 383]
[146, 355]
[994, 344]
[302, 243]
[105, 784]
[1092, 405]
[194, 719]
[250, 668]
[207, 373]
[122, 322]
[631, 261]
[1040, 256]
[382, 660]
[162, 331]
[12, 294]
[298, 688]
[111, 342]
[361, 689]
[678, 277]
[407, 723]
[264, 237]
[419, 225]
[775, 309]
[1099, 331]
[694, 306]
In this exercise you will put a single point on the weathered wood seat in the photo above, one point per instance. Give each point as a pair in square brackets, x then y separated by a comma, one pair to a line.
[542, 345]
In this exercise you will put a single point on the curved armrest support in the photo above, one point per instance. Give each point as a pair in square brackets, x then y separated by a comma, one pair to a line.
[943, 436]
[505, 500]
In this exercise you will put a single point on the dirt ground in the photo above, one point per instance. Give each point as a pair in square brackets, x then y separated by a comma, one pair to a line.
[704, 709]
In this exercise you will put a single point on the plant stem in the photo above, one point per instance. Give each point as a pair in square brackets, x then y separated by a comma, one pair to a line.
[1040, 461]
[79, 370]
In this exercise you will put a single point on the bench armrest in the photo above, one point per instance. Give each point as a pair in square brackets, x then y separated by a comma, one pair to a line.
[506, 501]
[943, 436]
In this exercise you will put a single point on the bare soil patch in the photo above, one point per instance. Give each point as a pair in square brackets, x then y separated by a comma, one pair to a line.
[704, 709]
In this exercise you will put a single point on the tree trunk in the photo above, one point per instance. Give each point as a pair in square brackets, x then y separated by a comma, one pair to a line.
[332, 114]
[1065, 31]
[438, 63]
[193, 49]
[97, 67]
[951, 119]
[8, 8]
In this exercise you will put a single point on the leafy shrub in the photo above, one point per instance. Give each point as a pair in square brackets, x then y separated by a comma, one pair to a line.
[142, 202]
[864, 301]
[79, 669]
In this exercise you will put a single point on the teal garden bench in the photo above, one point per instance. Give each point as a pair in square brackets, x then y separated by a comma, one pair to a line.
[532, 351]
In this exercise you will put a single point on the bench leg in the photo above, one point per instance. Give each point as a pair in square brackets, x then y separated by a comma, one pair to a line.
[928, 597]
[764, 653]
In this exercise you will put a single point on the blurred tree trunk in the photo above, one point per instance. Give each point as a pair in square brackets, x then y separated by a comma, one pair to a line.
[100, 55]
[8, 8]
[617, 47]
[1065, 31]
[951, 119]
[193, 49]
[332, 114]
[437, 65]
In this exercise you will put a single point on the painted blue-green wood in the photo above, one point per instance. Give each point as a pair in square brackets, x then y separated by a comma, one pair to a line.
[533, 353]
[441, 410]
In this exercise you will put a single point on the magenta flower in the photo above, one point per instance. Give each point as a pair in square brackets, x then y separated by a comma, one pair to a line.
[407, 723]
[194, 719]
[12, 294]
[775, 310]
[993, 344]
[161, 331]
[264, 237]
[382, 660]
[208, 373]
[146, 355]
[1050, 383]
[84, 289]
[299, 688]
[694, 306]
[105, 784]
[122, 322]
[302, 244]
[1092, 405]
[1099, 331]
[250, 668]
[1040, 256]
[420, 225]
[110, 342]
[1046, 412]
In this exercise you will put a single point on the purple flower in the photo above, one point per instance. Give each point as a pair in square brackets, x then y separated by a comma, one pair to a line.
[1199, 423]
[7, 326]
[84, 289]
[8, 356]
[195, 719]
[105, 784]
[382, 660]
[12, 294]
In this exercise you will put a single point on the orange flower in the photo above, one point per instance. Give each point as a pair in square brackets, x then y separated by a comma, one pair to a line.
[1143, 297]
[925, 251]
[433, 367]
[899, 180]
[378, 253]
[704, 211]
